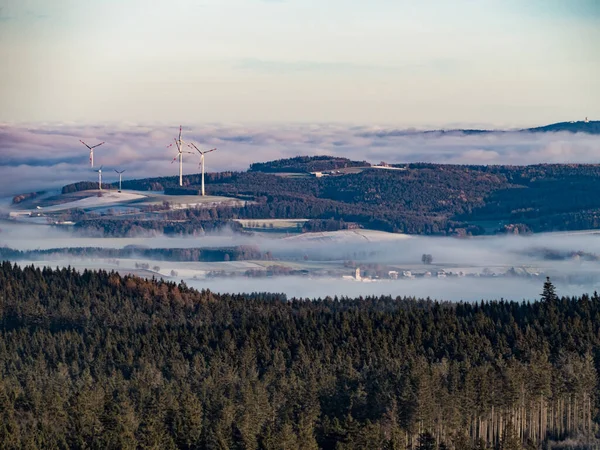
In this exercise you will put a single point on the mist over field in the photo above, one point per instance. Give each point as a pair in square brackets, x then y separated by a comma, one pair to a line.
[444, 289]
[40, 157]
[334, 251]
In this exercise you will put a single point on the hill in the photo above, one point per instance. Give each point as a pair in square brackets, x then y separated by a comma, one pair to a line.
[591, 127]
[417, 199]
[306, 164]
[96, 360]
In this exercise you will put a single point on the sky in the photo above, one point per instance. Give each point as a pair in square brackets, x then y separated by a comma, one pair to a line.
[506, 63]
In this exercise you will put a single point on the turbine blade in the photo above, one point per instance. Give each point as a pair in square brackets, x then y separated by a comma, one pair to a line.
[211, 150]
[97, 145]
[192, 145]
[85, 144]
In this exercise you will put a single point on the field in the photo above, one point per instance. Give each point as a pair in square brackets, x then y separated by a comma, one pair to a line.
[101, 201]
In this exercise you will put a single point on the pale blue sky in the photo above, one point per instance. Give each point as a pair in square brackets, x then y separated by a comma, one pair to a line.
[414, 63]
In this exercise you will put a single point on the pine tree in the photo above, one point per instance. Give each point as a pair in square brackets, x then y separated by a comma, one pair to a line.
[548, 293]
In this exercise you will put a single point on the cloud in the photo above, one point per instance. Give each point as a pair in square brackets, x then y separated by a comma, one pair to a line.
[440, 65]
[43, 156]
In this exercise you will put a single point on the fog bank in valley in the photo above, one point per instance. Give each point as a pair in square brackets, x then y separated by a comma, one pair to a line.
[449, 289]
[340, 252]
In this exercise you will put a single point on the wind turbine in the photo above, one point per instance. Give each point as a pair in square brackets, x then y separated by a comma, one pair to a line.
[99, 177]
[120, 176]
[91, 151]
[180, 152]
[202, 153]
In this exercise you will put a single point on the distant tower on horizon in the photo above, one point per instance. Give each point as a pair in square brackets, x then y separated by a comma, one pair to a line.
[586, 120]
[357, 274]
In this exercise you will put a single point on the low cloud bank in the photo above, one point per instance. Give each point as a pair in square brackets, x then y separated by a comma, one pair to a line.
[332, 251]
[39, 157]
[447, 289]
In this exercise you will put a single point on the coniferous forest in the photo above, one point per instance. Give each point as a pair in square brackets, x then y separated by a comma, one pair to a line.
[417, 198]
[97, 360]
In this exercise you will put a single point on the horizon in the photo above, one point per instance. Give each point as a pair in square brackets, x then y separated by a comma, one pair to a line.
[49, 156]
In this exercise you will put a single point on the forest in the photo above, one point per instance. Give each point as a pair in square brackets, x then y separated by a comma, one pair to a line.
[307, 164]
[175, 223]
[420, 198]
[99, 360]
[205, 254]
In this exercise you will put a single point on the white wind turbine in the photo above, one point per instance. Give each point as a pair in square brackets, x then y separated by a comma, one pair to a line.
[120, 177]
[202, 153]
[99, 177]
[180, 152]
[91, 151]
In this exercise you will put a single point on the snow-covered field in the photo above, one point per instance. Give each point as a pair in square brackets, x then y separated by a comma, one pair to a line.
[53, 201]
[347, 237]
[98, 200]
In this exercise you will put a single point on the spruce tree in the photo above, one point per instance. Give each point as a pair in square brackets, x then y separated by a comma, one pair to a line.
[549, 292]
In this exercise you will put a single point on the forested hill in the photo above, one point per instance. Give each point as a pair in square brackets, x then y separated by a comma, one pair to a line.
[591, 127]
[307, 164]
[415, 198]
[96, 360]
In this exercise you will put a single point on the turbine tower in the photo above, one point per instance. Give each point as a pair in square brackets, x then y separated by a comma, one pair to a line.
[91, 151]
[120, 176]
[99, 177]
[180, 152]
[202, 153]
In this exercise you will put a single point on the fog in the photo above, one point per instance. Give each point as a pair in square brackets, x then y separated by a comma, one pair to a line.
[39, 157]
[23, 236]
[445, 289]
[328, 253]
[363, 245]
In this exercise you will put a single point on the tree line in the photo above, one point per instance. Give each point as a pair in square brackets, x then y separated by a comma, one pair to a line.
[204, 254]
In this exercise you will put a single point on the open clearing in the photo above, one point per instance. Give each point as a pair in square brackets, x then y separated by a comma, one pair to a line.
[96, 199]
[348, 236]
